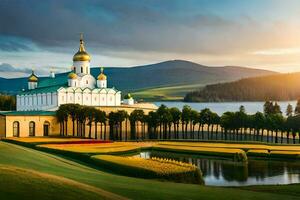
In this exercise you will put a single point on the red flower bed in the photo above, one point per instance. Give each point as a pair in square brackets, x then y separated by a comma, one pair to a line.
[87, 142]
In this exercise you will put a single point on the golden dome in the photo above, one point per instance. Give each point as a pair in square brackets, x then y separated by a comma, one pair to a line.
[101, 76]
[72, 75]
[81, 54]
[33, 78]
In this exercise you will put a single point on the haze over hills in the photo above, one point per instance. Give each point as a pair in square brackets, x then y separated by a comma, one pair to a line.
[279, 87]
[164, 74]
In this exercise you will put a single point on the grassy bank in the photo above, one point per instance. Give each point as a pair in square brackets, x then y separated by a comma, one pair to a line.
[287, 152]
[234, 154]
[21, 183]
[134, 188]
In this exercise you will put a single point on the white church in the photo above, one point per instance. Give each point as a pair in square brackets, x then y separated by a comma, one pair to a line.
[79, 87]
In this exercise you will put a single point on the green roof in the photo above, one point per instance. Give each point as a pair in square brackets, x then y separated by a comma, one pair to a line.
[28, 113]
[42, 90]
[49, 84]
[58, 80]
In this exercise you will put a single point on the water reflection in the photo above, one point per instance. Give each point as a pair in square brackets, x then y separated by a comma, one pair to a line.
[228, 173]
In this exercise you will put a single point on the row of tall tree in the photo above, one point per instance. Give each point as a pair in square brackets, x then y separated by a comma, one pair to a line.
[172, 123]
[81, 116]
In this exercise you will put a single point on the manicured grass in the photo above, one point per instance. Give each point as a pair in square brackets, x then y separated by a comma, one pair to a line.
[258, 153]
[154, 168]
[102, 148]
[133, 188]
[292, 189]
[285, 154]
[20, 183]
[235, 154]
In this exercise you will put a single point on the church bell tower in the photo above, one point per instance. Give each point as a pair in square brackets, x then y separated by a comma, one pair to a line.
[81, 59]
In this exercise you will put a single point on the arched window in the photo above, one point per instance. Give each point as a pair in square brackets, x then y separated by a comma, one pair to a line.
[46, 128]
[16, 129]
[31, 128]
[81, 69]
[87, 82]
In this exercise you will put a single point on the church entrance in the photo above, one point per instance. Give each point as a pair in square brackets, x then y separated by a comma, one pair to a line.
[46, 128]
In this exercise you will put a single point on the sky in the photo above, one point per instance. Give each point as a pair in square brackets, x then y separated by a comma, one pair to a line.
[44, 35]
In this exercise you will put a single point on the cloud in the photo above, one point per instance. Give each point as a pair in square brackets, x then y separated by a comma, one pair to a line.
[7, 68]
[284, 51]
[4, 67]
[137, 25]
[119, 32]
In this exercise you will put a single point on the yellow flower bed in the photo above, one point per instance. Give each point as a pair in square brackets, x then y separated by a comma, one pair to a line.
[235, 146]
[151, 168]
[236, 154]
[91, 148]
[98, 148]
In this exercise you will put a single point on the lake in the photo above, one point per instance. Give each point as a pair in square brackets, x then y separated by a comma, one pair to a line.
[220, 172]
[221, 107]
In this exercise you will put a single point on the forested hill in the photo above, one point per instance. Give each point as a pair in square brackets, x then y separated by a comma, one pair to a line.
[168, 73]
[273, 87]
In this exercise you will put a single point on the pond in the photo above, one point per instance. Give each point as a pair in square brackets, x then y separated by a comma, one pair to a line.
[220, 172]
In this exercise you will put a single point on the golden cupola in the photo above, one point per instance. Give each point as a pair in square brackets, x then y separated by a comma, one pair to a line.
[33, 77]
[81, 54]
[72, 75]
[101, 76]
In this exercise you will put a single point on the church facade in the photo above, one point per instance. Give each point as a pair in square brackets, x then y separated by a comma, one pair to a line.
[36, 105]
[78, 87]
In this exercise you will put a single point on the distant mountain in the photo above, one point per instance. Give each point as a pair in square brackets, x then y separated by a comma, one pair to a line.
[280, 87]
[169, 73]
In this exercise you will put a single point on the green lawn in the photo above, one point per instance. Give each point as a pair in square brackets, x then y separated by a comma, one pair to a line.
[133, 188]
[20, 183]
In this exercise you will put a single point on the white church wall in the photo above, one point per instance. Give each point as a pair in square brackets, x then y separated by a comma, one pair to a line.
[87, 81]
[78, 97]
[86, 97]
[70, 95]
[102, 98]
[61, 97]
[95, 97]
[102, 83]
[118, 98]
[34, 97]
[55, 99]
[82, 67]
[110, 99]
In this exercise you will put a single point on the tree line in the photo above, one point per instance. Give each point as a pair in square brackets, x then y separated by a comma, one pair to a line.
[280, 87]
[171, 123]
